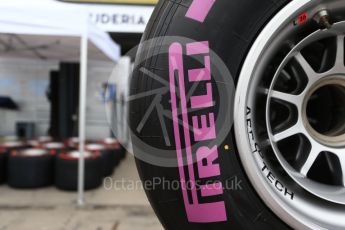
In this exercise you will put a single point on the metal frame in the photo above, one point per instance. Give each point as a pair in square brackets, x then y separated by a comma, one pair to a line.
[82, 115]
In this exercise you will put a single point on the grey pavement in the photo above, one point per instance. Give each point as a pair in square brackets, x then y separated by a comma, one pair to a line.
[115, 206]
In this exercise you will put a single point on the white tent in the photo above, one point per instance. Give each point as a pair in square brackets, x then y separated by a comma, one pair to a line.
[61, 31]
[54, 21]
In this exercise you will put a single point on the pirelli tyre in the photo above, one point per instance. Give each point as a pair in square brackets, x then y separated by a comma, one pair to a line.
[66, 170]
[30, 168]
[73, 143]
[123, 152]
[5, 148]
[3, 162]
[115, 148]
[237, 114]
[54, 148]
[108, 157]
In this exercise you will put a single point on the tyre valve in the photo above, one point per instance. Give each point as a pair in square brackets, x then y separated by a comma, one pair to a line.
[323, 19]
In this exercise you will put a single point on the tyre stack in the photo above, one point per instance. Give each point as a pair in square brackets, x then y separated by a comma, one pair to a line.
[3, 162]
[118, 152]
[42, 162]
[55, 148]
[108, 157]
[73, 143]
[66, 170]
[39, 142]
[45, 139]
[30, 168]
[5, 150]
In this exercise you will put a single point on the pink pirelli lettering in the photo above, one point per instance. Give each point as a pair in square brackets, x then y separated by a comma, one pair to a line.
[196, 211]
[204, 132]
[202, 74]
[198, 48]
[212, 189]
[199, 9]
[203, 101]
[206, 157]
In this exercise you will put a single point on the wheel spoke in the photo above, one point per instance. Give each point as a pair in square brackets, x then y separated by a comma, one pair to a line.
[286, 133]
[342, 165]
[308, 70]
[293, 99]
[286, 75]
[314, 153]
[340, 52]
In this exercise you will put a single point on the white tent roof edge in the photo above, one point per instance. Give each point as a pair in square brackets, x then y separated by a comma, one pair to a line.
[52, 18]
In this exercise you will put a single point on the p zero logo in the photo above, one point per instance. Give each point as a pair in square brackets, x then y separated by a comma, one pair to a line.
[203, 130]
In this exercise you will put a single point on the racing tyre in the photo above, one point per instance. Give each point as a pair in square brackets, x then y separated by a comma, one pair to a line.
[3, 162]
[6, 147]
[54, 148]
[30, 168]
[108, 157]
[123, 152]
[115, 148]
[66, 170]
[242, 104]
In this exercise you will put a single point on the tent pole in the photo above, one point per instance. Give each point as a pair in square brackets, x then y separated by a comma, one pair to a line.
[82, 116]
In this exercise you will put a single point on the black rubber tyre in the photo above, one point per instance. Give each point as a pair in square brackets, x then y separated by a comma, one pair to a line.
[122, 153]
[3, 163]
[6, 148]
[107, 155]
[109, 162]
[230, 27]
[66, 172]
[26, 171]
[115, 149]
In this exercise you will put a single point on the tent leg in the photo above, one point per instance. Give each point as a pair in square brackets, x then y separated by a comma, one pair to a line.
[82, 117]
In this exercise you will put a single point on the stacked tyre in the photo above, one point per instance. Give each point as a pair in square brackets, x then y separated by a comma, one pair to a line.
[55, 148]
[108, 157]
[5, 149]
[66, 170]
[40, 163]
[73, 142]
[3, 159]
[30, 168]
[118, 152]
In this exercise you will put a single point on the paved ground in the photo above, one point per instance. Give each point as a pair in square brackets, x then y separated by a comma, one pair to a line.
[118, 205]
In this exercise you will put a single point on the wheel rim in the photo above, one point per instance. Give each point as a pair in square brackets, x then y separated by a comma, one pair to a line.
[313, 143]
[282, 139]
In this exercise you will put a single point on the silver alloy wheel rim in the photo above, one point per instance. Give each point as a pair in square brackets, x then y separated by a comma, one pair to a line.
[319, 142]
[305, 210]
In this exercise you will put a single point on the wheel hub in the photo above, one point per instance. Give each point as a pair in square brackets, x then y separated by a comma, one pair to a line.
[324, 112]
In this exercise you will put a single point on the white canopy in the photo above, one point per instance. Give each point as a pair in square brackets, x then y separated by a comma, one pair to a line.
[58, 25]
[51, 29]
